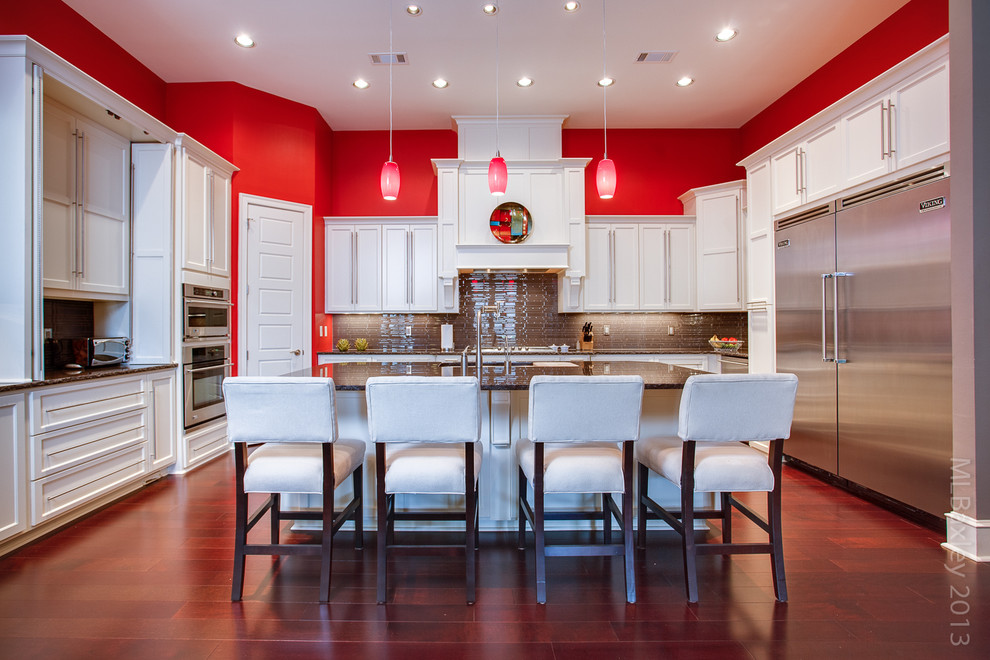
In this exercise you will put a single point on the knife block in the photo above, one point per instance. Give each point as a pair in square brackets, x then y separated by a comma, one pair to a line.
[586, 345]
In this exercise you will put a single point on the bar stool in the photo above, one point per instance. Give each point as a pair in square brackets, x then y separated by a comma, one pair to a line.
[426, 432]
[295, 421]
[719, 414]
[576, 426]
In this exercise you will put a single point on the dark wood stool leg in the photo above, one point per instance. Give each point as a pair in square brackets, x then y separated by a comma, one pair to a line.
[382, 532]
[726, 517]
[773, 520]
[606, 519]
[470, 493]
[275, 511]
[523, 487]
[687, 518]
[357, 479]
[241, 515]
[538, 527]
[644, 486]
[627, 520]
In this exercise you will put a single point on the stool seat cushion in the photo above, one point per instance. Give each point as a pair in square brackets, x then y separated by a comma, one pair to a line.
[297, 467]
[585, 467]
[428, 468]
[729, 467]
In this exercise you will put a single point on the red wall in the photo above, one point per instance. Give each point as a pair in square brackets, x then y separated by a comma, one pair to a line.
[906, 31]
[61, 29]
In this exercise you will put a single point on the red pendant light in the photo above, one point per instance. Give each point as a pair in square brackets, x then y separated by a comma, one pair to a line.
[390, 171]
[498, 176]
[498, 173]
[390, 181]
[605, 176]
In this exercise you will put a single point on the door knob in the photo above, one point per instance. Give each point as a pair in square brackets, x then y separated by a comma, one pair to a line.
[297, 352]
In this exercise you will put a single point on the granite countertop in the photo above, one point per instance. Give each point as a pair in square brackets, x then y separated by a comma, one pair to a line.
[67, 376]
[353, 375]
[572, 351]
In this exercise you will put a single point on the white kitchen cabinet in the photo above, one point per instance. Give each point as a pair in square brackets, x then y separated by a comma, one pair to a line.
[667, 267]
[13, 485]
[899, 127]
[354, 263]
[409, 267]
[808, 171]
[760, 255]
[163, 419]
[718, 213]
[612, 270]
[86, 212]
[204, 208]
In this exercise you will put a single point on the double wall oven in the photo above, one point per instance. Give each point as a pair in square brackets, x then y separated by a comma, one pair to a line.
[205, 352]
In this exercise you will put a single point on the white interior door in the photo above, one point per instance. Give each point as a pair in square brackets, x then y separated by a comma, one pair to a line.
[276, 302]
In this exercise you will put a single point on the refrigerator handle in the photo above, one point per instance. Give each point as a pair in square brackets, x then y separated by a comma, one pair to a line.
[835, 316]
[825, 357]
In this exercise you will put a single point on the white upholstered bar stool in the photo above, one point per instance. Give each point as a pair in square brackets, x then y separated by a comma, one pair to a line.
[582, 431]
[294, 420]
[719, 414]
[427, 433]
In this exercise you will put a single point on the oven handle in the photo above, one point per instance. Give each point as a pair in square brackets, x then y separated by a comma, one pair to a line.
[191, 370]
[209, 303]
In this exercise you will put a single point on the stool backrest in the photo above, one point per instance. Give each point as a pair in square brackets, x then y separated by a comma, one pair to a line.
[280, 409]
[424, 408]
[736, 407]
[585, 408]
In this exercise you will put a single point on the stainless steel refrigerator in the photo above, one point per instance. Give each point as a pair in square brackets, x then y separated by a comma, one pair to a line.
[863, 319]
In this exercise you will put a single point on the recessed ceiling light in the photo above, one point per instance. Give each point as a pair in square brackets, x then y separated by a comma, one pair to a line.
[414, 10]
[440, 83]
[726, 34]
[606, 82]
[685, 81]
[491, 10]
[244, 41]
[571, 5]
[525, 82]
[361, 83]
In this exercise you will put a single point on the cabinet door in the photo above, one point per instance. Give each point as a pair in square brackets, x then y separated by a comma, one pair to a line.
[598, 277]
[162, 419]
[59, 213]
[195, 228]
[104, 235]
[219, 219]
[681, 270]
[653, 250]
[786, 180]
[921, 117]
[396, 261]
[340, 260]
[368, 270]
[718, 252]
[13, 483]
[625, 266]
[423, 269]
[821, 164]
[864, 142]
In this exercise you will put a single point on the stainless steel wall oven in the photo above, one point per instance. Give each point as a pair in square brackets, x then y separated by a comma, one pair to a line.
[204, 366]
[206, 311]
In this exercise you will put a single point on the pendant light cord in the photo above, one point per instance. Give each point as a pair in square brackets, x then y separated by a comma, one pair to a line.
[391, 56]
[604, 87]
[497, 154]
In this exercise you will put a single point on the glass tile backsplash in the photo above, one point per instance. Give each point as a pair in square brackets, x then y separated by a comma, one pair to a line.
[528, 316]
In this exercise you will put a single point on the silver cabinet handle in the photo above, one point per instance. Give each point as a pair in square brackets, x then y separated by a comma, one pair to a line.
[825, 357]
[81, 265]
[803, 155]
[883, 129]
[890, 130]
[409, 266]
[353, 267]
[797, 171]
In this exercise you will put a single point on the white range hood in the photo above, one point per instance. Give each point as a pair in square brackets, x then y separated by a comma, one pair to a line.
[549, 186]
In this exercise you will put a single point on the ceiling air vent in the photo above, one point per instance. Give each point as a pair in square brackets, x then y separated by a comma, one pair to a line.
[661, 56]
[388, 58]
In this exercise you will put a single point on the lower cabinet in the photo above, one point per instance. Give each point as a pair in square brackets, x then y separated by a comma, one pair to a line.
[84, 443]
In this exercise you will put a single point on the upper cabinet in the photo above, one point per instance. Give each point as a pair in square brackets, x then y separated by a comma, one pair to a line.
[639, 263]
[382, 265]
[204, 210]
[808, 171]
[86, 219]
[718, 212]
[902, 126]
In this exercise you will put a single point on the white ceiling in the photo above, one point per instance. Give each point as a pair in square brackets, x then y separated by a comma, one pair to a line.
[311, 51]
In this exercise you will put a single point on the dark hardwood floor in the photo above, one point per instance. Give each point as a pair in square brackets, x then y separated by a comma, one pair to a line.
[150, 578]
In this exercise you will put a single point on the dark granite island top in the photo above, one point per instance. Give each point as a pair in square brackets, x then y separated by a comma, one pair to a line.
[354, 375]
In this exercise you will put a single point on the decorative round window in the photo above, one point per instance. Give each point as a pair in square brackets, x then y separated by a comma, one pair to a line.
[511, 222]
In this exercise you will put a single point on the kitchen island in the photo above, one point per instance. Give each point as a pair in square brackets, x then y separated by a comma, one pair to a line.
[504, 410]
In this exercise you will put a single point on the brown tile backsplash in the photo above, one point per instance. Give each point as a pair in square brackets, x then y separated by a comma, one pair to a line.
[528, 316]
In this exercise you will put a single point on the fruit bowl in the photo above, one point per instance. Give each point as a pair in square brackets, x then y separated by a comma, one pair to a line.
[725, 345]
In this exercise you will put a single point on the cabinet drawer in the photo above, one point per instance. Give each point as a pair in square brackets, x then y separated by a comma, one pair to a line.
[71, 488]
[205, 444]
[57, 451]
[57, 408]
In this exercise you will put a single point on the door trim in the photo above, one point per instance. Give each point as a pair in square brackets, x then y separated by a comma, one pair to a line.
[243, 201]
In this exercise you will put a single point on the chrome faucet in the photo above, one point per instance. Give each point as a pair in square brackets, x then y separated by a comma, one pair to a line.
[481, 309]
